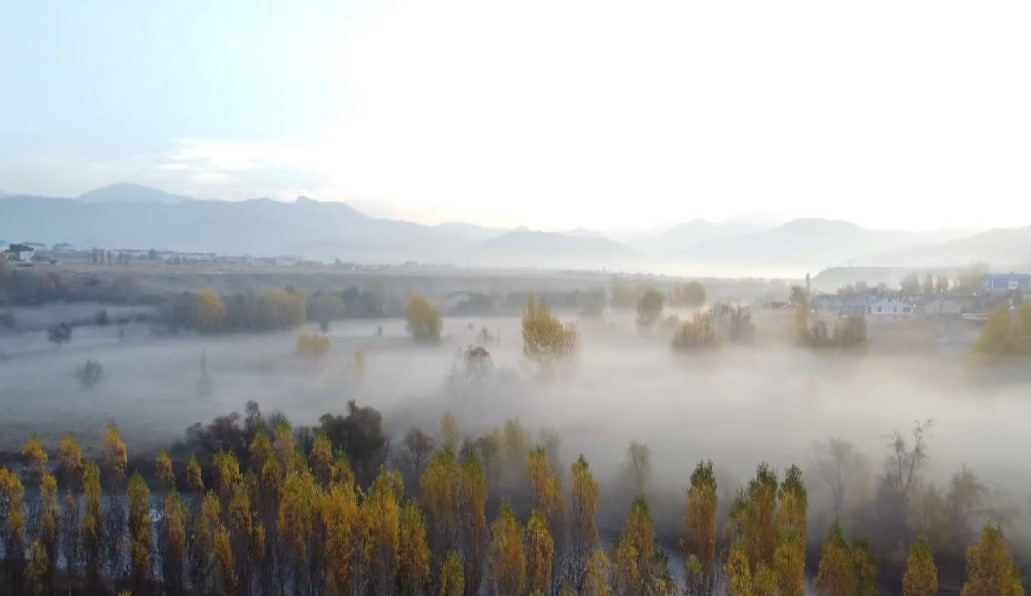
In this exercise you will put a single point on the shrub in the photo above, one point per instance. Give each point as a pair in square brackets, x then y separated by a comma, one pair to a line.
[545, 339]
[312, 345]
[60, 333]
[102, 318]
[424, 321]
[699, 333]
[90, 374]
[733, 323]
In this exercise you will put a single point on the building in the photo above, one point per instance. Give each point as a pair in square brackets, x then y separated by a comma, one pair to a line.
[20, 253]
[997, 283]
[942, 308]
[889, 309]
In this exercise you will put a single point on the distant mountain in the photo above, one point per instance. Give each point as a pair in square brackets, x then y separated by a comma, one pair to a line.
[471, 231]
[811, 244]
[1001, 248]
[124, 192]
[682, 237]
[529, 248]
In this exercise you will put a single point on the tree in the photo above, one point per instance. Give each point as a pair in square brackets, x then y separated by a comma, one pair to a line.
[649, 307]
[540, 554]
[910, 284]
[835, 576]
[381, 517]
[639, 567]
[905, 462]
[545, 490]
[140, 549]
[507, 555]
[452, 577]
[194, 480]
[340, 519]
[413, 561]
[738, 572]
[90, 374]
[295, 525]
[312, 345]
[998, 338]
[789, 556]
[638, 466]
[60, 333]
[172, 541]
[754, 513]
[971, 279]
[545, 339]
[164, 472]
[209, 312]
[921, 578]
[700, 529]
[92, 530]
[990, 569]
[424, 321]
[449, 433]
[583, 531]
[596, 575]
[689, 295]
[837, 463]
[698, 334]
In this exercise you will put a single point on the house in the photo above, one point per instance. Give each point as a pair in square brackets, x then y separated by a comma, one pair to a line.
[997, 283]
[889, 309]
[20, 253]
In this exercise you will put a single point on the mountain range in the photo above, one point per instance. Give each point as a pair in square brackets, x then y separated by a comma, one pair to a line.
[140, 217]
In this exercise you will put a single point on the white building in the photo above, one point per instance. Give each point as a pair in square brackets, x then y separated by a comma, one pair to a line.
[889, 309]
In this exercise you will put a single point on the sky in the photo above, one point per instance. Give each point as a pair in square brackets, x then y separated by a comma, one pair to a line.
[547, 113]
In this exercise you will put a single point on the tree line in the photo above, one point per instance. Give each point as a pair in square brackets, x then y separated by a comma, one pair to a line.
[251, 505]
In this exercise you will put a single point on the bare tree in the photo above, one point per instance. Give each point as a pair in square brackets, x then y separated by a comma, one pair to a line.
[837, 463]
[905, 460]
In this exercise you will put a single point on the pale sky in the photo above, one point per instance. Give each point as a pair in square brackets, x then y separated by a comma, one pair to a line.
[547, 113]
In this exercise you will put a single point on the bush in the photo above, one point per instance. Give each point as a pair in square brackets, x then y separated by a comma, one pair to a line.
[102, 318]
[848, 332]
[90, 373]
[733, 323]
[690, 295]
[60, 333]
[312, 345]
[649, 307]
[698, 334]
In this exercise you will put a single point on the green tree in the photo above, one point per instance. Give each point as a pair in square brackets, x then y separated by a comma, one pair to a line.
[424, 321]
[649, 307]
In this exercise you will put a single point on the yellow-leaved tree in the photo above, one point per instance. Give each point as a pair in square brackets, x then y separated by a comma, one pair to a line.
[990, 568]
[583, 529]
[540, 555]
[413, 561]
[507, 562]
[545, 339]
[921, 578]
[423, 319]
[700, 530]
[209, 312]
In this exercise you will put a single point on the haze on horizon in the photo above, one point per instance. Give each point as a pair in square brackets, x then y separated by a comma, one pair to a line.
[549, 115]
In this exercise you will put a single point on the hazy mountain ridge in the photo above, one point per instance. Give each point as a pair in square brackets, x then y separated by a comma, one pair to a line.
[133, 216]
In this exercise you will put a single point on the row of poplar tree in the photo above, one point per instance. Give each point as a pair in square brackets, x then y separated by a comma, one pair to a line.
[297, 523]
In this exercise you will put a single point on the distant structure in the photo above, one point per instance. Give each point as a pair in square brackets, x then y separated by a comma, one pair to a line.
[1000, 283]
[19, 253]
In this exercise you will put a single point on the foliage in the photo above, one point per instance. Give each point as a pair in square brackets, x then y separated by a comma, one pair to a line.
[423, 319]
[209, 312]
[990, 569]
[545, 339]
[60, 333]
[359, 436]
[1005, 334]
[649, 307]
[689, 295]
[700, 529]
[921, 578]
[312, 345]
[90, 374]
[733, 324]
[845, 569]
[507, 561]
[540, 554]
[698, 334]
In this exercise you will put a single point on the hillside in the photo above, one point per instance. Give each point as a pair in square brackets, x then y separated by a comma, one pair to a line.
[124, 192]
[541, 249]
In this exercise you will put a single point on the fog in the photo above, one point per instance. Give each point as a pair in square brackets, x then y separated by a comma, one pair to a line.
[769, 402]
